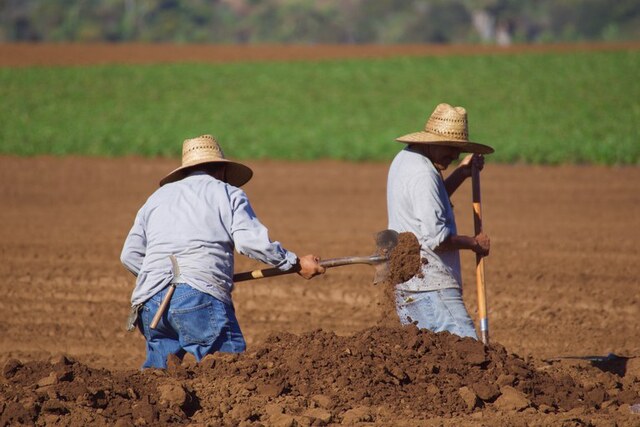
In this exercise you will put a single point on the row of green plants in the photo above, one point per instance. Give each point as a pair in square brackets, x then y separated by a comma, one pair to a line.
[549, 108]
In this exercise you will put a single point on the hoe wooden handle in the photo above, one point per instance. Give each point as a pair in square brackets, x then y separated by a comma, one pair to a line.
[163, 307]
[326, 263]
[480, 284]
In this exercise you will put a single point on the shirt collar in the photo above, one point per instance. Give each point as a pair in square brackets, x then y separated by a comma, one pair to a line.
[197, 172]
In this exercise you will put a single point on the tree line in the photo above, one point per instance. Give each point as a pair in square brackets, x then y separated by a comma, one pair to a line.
[319, 21]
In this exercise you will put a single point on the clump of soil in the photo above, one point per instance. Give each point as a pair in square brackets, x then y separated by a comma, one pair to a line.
[318, 378]
[404, 263]
[404, 259]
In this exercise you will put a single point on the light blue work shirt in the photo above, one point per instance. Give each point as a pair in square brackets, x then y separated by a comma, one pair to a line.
[418, 202]
[199, 220]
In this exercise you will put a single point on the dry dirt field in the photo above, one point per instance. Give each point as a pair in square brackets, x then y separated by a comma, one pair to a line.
[562, 281]
[22, 54]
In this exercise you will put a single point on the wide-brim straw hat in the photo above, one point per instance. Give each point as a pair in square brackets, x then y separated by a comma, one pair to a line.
[447, 126]
[205, 150]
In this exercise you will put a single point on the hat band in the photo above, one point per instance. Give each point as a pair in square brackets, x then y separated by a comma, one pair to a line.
[205, 154]
[448, 127]
[450, 134]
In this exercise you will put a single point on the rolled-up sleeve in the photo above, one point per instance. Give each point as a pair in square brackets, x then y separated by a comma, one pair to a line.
[428, 207]
[135, 246]
[251, 238]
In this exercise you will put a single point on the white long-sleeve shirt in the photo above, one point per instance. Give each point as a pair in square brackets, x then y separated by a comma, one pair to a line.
[199, 220]
[418, 202]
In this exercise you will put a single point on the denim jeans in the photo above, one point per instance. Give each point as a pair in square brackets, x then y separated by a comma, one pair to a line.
[438, 311]
[194, 322]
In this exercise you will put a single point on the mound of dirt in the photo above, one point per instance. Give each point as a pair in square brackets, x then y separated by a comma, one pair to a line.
[377, 375]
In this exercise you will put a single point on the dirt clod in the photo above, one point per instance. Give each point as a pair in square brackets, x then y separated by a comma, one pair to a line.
[404, 259]
[404, 263]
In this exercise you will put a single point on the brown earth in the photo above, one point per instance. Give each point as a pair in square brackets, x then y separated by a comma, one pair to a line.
[562, 281]
[404, 263]
[43, 54]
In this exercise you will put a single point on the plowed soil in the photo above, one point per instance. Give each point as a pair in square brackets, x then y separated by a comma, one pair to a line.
[562, 283]
[60, 54]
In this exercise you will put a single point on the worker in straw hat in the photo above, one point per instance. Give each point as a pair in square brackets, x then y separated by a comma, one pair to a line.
[181, 247]
[418, 201]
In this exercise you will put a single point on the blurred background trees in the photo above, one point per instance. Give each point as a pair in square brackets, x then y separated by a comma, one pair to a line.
[319, 21]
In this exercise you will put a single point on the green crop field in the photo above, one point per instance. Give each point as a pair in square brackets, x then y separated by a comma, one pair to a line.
[535, 108]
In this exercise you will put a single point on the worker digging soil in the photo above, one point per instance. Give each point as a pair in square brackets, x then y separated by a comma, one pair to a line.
[182, 241]
[419, 201]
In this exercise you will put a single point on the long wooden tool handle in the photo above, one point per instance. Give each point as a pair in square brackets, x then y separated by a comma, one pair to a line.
[163, 307]
[326, 263]
[480, 284]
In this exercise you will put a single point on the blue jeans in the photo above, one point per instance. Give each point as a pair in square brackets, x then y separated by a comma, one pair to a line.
[194, 322]
[437, 311]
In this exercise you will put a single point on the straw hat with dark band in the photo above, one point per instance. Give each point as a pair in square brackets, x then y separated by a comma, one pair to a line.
[447, 126]
[206, 150]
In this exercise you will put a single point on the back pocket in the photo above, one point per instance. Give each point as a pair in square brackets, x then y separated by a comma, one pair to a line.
[200, 324]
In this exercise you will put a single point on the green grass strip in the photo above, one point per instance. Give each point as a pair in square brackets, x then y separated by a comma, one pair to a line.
[535, 108]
